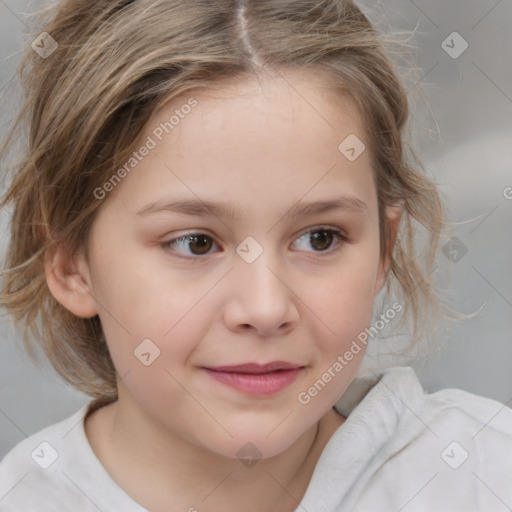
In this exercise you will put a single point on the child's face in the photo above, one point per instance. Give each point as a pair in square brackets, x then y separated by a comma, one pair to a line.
[303, 300]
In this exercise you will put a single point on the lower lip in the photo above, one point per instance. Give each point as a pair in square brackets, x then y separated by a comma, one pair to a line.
[263, 384]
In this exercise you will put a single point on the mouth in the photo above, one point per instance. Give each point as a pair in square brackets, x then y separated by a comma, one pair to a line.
[255, 379]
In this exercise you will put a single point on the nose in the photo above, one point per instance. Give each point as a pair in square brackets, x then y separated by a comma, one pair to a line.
[260, 299]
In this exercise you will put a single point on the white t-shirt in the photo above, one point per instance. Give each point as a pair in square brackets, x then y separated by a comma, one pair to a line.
[400, 449]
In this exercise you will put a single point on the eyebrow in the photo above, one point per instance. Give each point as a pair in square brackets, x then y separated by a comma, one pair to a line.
[224, 210]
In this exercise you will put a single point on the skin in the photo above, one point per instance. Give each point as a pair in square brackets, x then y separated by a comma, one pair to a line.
[173, 435]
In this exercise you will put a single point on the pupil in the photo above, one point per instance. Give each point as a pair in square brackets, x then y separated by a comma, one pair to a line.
[324, 238]
[204, 245]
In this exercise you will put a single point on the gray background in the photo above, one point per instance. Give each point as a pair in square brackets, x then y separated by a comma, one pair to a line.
[465, 141]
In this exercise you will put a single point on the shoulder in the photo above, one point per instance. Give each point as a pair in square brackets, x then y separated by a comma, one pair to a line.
[49, 468]
[56, 469]
[399, 391]
[450, 410]
[36, 464]
[457, 419]
[451, 445]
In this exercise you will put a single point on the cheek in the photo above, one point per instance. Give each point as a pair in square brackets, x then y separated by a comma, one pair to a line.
[150, 321]
[341, 311]
[142, 295]
[162, 332]
[344, 297]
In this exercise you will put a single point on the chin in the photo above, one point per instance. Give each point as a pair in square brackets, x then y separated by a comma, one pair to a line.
[248, 451]
[252, 444]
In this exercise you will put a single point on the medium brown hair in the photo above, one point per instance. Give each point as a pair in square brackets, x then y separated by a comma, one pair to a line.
[86, 104]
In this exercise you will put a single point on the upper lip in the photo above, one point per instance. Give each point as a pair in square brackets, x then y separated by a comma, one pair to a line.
[255, 368]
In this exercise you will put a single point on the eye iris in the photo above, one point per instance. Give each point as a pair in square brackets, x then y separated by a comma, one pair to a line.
[203, 243]
[323, 237]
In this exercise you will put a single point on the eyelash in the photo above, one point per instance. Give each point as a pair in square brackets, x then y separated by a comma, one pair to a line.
[339, 237]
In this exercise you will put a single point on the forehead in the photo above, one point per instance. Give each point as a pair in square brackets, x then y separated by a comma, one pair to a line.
[266, 140]
[294, 96]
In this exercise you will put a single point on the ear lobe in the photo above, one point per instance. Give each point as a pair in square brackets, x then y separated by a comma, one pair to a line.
[394, 214]
[69, 282]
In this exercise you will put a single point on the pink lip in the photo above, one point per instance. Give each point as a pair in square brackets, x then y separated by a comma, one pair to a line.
[256, 379]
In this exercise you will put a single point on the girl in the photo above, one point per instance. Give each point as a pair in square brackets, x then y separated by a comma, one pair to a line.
[211, 197]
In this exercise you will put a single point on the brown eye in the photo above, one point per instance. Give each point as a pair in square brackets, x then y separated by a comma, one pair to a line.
[199, 244]
[321, 240]
[191, 245]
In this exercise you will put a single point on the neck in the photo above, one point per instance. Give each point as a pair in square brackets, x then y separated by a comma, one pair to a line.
[157, 468]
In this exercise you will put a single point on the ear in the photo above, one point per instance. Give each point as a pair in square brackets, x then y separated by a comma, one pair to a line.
[393, 214]
[68, 279]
